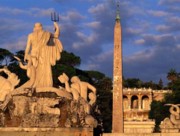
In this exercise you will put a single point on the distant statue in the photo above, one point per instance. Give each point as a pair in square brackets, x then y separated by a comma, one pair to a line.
[45, 49]
[135, 104]
[30, 70]
[174, 120]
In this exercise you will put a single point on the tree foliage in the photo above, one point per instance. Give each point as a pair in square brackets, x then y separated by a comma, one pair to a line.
[5, 56]
[137, 83]
[69, 59]
[158, 110]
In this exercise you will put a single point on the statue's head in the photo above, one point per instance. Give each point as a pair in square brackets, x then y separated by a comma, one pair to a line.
[38, 27]
[75, 79]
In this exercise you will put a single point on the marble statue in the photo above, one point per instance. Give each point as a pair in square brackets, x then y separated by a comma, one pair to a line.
[64, 79]
[82, 87]
[7, 85]
[79, 88]
[45, 49]
[80, 108]
[30, 70]
[37, 103]
[173, 122]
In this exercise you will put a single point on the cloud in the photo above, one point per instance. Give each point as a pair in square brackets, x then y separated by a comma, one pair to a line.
[157, 40]
[152, 64]
[13, 11]
[174, 9]
[98, 9]
[101, 62]
[87, 31]
[93, 25]
[140, 42]
[39, 12]
[71, 16]
[158, 13]
[166, 2]
[19, 44]
[35, 12]
[10, 29]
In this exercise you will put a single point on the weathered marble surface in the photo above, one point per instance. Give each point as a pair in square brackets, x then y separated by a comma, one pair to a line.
[44, 49]
[46, 131]
[171, 124]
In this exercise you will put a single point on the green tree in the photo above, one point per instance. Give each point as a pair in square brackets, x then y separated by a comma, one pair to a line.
[69, 59]
[132, 83]
[5, 56]
[104, 101]
[172, 75]
[160, 84]
[157, 108]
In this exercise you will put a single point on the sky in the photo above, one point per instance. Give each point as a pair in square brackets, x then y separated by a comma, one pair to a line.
[150, 32]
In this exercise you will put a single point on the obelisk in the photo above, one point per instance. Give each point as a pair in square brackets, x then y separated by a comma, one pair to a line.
[117, 124]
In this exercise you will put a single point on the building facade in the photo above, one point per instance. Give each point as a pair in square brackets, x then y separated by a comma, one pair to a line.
[137, 101]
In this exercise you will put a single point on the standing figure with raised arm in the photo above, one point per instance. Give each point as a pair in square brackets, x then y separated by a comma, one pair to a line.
[45, 49]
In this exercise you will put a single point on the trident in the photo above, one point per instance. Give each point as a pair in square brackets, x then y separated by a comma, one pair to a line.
[55, 17]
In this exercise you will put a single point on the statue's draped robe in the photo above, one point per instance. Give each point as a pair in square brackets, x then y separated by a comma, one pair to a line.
[49, 49]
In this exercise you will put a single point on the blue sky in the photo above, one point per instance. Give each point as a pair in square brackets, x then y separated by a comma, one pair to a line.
[151, 32]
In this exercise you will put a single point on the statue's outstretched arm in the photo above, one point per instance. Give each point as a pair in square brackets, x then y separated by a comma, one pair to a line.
[22, 66]
[57, 30]
[92, 88]
[20, 63]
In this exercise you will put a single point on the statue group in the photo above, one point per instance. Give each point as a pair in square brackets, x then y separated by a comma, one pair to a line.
[37, 103]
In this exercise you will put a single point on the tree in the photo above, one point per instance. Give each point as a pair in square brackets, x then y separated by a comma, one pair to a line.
[160, 84]
[104, 101]
[95, 75]
[151, 85]
[132, 83]
[69, 59]
[172, 75]
[5, 56]
[157, 108]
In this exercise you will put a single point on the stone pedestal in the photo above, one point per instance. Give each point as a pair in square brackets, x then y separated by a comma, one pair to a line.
[170, 130]
[46, 131]
[139, 127]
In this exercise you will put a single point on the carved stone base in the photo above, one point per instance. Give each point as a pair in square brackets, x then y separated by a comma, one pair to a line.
[44, 120]
[139, 126]
[170, 130]
[46, 131]
[46, 110]
[34, 111]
